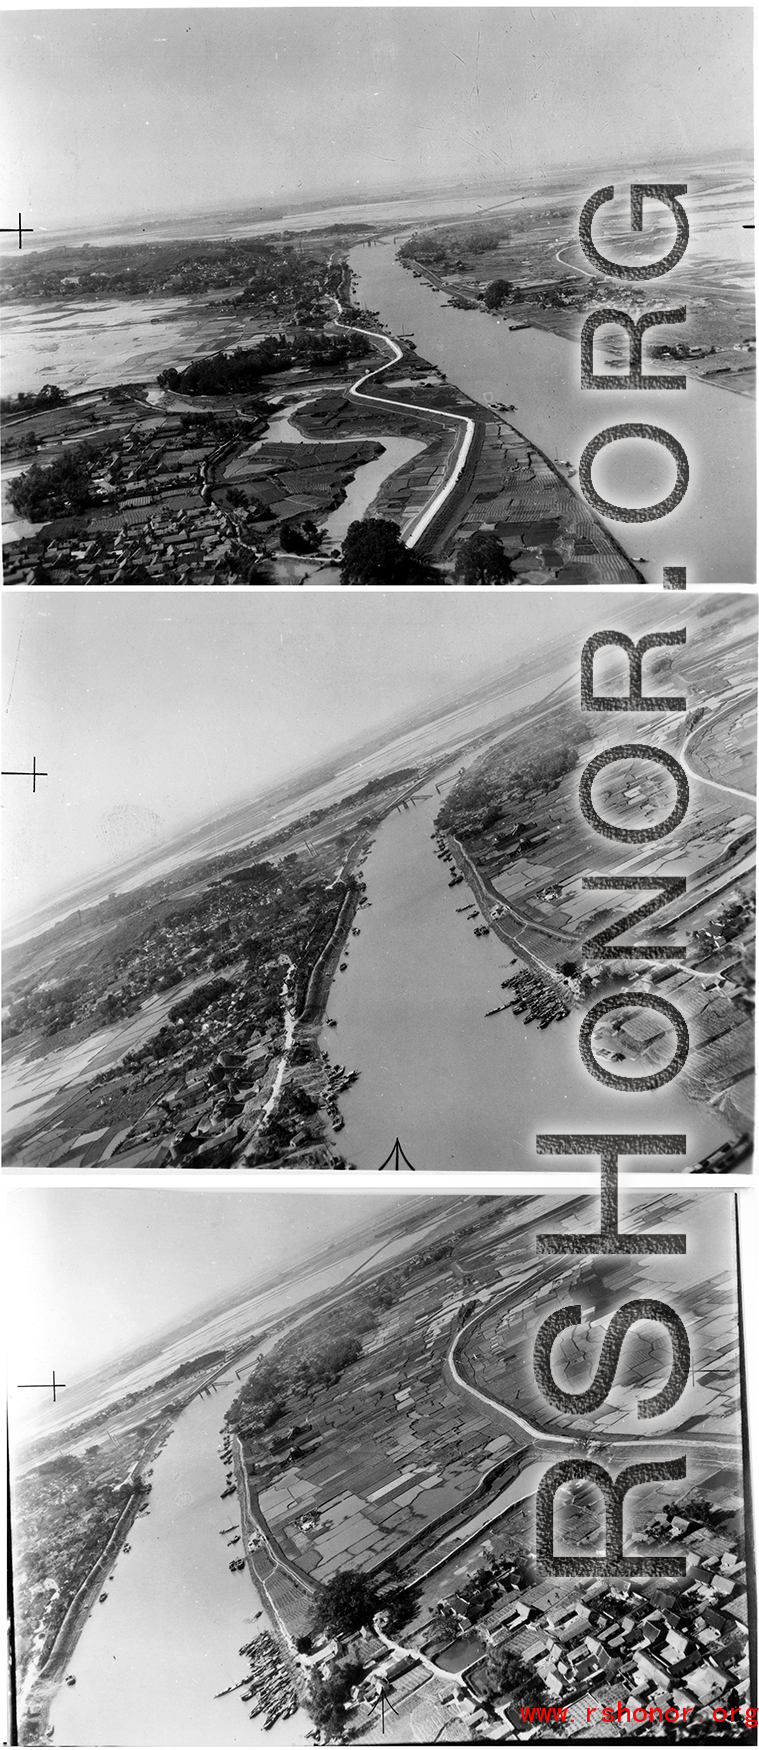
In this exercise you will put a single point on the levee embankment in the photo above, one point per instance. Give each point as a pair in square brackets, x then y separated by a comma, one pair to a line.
[33, 1725]
[323, 971]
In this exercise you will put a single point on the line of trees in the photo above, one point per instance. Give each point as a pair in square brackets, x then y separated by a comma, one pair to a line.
[36, 401]
[235, 373]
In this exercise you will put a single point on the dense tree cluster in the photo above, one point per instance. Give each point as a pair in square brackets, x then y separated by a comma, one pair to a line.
[497, 293]
[33, 402]
[375, 786]
[447, 244]
[347, 1602]
[301, 537]
[238, 372]
[328, 1695]
[530, 762]
[315, 1361]
[481, 561]
[62, 489]
[373, 552]
[506, 1675]
[313, 1357]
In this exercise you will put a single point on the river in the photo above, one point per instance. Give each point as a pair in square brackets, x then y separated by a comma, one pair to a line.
[711, 531]
[361, 491]
[462, 1092]
[151, 1659]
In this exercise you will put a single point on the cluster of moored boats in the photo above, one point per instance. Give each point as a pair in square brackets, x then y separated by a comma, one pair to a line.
[270, 1686]
[533, 999]
[457, 880]
[338, 1079]
[471, 913]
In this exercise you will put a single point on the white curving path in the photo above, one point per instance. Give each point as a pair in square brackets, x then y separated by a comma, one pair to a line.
[540, 1436]
[423, 521]
[700, 777]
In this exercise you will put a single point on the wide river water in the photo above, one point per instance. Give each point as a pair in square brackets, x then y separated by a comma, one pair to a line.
[712, 532]
[462, 1091]
[151, 1659]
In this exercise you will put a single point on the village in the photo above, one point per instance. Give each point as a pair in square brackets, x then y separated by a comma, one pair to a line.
[207, 973]
[250, 466]
[383, 1466]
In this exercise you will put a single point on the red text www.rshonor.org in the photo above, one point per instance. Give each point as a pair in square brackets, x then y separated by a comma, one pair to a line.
[557, 1716]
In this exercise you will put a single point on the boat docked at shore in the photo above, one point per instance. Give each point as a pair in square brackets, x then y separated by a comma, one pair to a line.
[534, 999]
[269, 1684]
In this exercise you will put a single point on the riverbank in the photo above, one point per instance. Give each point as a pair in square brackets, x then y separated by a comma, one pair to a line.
[738, 379]
[160, 1663]
[712, 531]
[256, 1534]
[462, 1090]
[39, 1692]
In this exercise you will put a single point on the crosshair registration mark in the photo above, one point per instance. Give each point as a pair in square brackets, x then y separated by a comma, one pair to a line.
[23, 230]
[34, 774]
[45, 1385]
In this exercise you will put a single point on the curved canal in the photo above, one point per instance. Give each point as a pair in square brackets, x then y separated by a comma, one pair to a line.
[712, 530]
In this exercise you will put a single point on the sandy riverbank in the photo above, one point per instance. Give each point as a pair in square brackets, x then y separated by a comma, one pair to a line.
[39, 1692]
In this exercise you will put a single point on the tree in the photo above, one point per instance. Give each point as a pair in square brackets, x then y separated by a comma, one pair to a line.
[299, 537]
[374, 553]
[481, 560]
[62, 489]
[347, 1603]
[497, 293]
[400, 1604]
[505, 1674]
[327, 1697]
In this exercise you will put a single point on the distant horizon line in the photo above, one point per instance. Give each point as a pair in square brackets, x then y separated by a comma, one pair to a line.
[279, 206]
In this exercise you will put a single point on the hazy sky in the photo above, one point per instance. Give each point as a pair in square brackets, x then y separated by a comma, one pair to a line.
[181, 703]
[116, 112]
[99, 1271]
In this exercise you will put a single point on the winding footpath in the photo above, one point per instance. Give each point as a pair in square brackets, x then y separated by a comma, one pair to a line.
[422, 522]
[539, 1436]
[702, 728]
